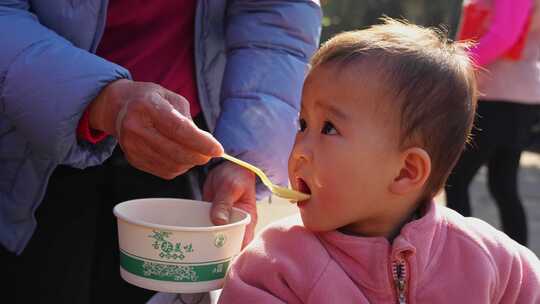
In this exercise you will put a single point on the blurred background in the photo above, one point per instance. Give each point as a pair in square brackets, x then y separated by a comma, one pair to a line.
[343, 15]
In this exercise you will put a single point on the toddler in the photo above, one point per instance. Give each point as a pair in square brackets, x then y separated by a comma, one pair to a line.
[385, 114]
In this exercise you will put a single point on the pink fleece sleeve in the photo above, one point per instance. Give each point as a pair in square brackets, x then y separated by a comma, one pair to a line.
[519, 277]
[275, 269]
[251, 288]
[509, 17]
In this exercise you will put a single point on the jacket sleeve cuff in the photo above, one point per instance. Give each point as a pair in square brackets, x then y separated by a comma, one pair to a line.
[84, 132]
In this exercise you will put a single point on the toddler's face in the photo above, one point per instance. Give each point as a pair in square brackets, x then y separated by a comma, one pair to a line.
[346, 150]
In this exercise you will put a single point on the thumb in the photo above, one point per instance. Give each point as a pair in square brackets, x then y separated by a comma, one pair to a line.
[222, 204]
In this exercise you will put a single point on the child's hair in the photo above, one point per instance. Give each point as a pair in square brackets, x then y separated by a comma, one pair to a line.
[431, 77]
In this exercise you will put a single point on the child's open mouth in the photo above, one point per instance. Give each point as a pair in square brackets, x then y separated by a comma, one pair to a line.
[303, 187]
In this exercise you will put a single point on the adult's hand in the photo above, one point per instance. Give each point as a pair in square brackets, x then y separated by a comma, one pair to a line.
[229, 185]
[153, 127]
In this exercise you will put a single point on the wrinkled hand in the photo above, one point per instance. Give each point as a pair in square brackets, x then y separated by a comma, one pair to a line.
[153, 126]
[229, 185]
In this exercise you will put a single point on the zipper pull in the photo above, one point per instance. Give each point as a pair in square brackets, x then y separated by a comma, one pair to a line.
[399, 272]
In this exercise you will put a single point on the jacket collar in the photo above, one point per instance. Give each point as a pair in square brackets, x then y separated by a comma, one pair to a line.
[367, 260]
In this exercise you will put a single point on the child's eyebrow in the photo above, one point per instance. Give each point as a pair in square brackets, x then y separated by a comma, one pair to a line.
[332, 109]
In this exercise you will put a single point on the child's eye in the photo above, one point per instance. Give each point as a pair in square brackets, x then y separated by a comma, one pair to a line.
[301, 125]
[328, 128]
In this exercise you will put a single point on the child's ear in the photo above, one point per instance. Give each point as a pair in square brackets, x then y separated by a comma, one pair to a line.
[414, 172]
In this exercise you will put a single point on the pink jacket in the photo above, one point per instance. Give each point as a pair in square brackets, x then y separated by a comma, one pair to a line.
[439, 258]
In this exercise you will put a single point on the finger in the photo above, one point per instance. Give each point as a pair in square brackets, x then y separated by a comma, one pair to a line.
[250, 208]
[145, 166]
[249, 234]
[180, 103]
[208, 191]
[143, 157]
[181, 129]
[133, 125]
[225, 197]
[166, 147]
[155, 168]
[248, 204]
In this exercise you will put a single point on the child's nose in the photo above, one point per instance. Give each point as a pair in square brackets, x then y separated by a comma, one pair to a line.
[300, 151]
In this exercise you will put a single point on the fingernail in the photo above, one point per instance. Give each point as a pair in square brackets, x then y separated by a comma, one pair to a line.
[223, 215]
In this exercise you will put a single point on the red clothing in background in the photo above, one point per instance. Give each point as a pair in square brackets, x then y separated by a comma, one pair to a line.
[154, 40]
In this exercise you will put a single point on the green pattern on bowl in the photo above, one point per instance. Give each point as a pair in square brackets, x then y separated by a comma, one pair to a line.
[174, 272]
[168, 249]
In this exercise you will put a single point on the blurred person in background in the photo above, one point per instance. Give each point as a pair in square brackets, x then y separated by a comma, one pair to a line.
[76, 77]
[508, 55]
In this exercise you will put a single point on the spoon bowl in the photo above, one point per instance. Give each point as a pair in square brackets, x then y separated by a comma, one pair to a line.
[283, 192]
[291, 195]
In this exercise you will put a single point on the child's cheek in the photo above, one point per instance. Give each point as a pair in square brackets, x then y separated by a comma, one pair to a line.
[317, 180]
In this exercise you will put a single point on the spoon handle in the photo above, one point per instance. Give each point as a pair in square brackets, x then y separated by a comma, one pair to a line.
[249, 166]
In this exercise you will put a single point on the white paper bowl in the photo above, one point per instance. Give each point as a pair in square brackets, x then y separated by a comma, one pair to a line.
[171, 245]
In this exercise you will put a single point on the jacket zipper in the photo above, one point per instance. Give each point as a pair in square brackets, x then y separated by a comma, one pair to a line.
[399, 273]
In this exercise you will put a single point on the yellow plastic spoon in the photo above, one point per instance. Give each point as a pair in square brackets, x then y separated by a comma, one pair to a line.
[282, 192]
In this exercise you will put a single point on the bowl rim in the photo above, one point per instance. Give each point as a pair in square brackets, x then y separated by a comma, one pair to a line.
[119, 215]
